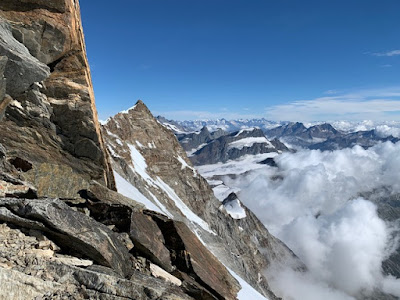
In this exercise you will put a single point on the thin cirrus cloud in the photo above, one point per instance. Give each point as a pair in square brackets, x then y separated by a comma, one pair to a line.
[334, 105]
[378, 105]
[387, 53]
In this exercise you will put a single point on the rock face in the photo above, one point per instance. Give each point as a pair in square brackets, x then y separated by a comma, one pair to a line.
[50, 119]
[146, 155]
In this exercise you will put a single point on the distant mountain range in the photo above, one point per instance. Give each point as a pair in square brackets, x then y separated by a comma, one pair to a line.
[213, 125]
[324, 137]
[207, 147]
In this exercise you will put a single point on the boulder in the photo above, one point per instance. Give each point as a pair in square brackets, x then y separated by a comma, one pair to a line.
[75, 231]
[206, 266]
[149, 240]
[22, 69]
[208, 275]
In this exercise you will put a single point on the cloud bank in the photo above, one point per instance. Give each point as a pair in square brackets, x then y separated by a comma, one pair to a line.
[313, 205]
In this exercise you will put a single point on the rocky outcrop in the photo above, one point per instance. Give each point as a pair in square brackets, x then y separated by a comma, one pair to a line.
[29, 269]
[76, 231]
[50, 118]
[92, 251]
[149, 239]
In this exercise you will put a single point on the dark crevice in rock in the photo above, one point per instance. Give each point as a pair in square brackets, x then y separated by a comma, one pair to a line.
[116, 215]
[30, 194]
[53, 64]
[20, 164]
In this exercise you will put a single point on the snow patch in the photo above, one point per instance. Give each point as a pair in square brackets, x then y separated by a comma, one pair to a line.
[139, 164]
[242, 165]
[140, 144]
[127, 110]
[249, 142]
[185, 165]
[186, 211]
[245, 130]
[194, 150]
[235, 209]
[222, 191]
[128, 190]
[247, 292]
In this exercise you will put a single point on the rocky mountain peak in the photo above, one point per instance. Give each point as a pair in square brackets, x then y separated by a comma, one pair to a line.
[141, 107]
[147, 155]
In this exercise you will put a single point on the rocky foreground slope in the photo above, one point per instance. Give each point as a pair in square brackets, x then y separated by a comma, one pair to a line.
[65, 232]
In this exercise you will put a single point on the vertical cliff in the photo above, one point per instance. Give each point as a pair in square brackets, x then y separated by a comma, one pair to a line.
[50, 122]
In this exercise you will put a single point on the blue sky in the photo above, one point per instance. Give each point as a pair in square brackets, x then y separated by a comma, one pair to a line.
[282, 60]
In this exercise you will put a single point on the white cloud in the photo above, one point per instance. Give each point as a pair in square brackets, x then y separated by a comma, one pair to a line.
[388, 53]
[378, 105]
[316, 210]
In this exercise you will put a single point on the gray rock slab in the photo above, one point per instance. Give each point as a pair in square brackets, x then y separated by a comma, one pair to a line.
[22, 69]
[75, 230]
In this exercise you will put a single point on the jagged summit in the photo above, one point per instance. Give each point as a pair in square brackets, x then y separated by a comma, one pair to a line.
[147, 155]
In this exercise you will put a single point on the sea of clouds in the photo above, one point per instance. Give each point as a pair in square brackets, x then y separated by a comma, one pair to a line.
[312, 203]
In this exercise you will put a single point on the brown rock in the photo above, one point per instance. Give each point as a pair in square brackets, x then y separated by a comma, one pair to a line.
[70, 229]
[149, 240]
[208, 269]
[55, 125]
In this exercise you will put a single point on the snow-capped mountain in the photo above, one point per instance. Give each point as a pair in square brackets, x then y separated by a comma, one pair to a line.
[326, 137]
[208, 148]
[151, 167]
[295, 135]
[226, 125]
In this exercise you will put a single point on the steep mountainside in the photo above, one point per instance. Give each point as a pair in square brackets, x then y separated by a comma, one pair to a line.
[152, 166]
